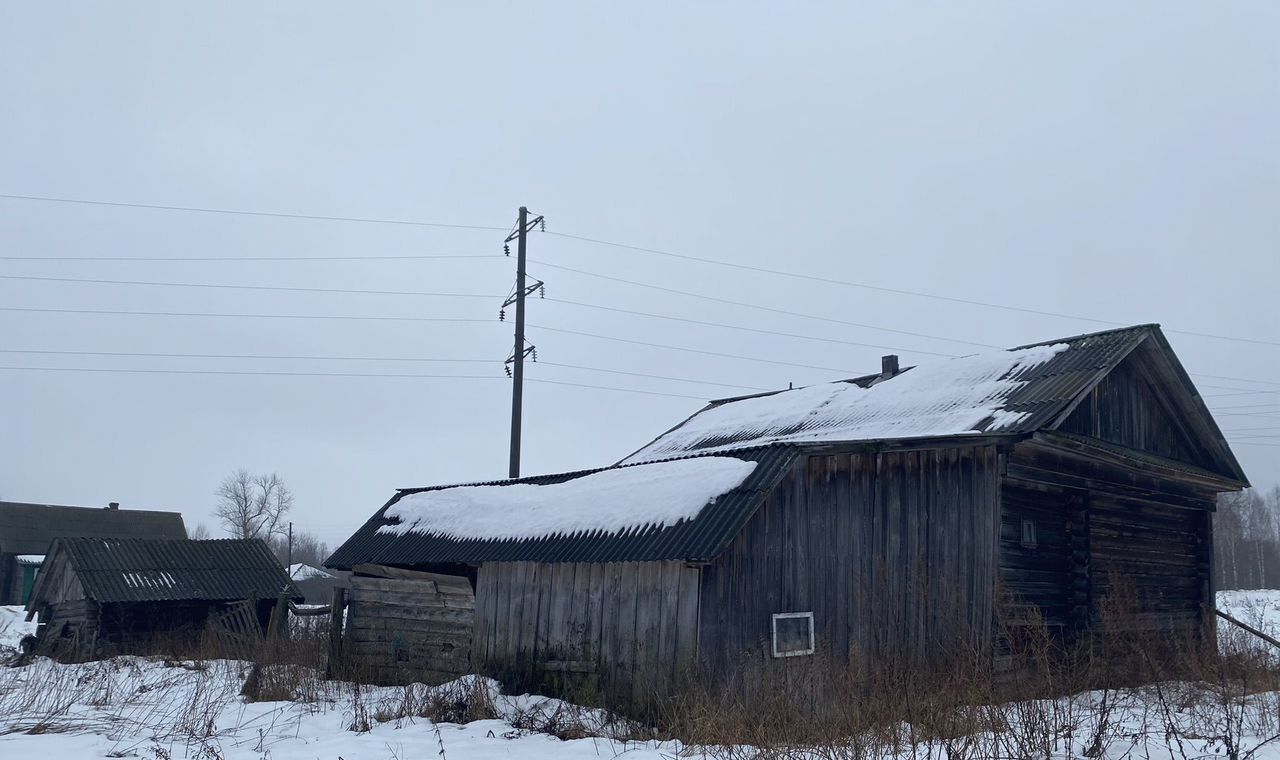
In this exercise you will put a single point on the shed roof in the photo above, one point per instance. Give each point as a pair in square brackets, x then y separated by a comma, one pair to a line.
[30, 528]
[697, 538]
[151, 570]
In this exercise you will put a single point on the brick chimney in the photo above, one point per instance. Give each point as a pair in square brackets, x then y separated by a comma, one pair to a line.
[888, 366]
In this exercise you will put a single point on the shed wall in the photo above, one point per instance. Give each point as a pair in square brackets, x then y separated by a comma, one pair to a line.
[894, 553]
[399, 631]
[625, 628]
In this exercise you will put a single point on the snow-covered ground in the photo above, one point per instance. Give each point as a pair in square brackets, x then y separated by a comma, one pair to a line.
[13, 625]
[134, 707]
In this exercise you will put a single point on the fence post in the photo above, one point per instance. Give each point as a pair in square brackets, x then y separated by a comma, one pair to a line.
[335, 631]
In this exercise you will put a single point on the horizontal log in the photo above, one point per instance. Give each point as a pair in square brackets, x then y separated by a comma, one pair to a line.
[399, 599]
[385, 611]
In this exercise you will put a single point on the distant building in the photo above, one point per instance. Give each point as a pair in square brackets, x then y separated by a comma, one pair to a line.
[862, 521]
[27, 531]
[99, 596]
[314, 584]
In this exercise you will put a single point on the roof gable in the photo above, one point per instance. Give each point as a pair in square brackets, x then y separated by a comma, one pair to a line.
[149, 570]
[30, 528]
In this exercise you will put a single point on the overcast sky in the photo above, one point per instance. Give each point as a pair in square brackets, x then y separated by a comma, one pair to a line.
[1114, 162]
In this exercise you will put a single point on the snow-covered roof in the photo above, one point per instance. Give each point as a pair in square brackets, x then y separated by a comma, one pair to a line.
[941, 398]
[608, 501]
[300, 571]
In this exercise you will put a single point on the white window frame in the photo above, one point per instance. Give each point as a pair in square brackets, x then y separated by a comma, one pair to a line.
[773, 631]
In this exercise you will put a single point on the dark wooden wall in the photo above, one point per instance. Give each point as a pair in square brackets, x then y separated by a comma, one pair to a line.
[628, 629]
[1126, 408]
[1037, 583]
[400, 630]
[1142, 548]
[893, 552]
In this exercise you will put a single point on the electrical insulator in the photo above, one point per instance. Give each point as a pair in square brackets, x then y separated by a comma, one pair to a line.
[508, 370]
[502, 315]
[506, 249]
[542, 291]
[534, 354]
[543, 222]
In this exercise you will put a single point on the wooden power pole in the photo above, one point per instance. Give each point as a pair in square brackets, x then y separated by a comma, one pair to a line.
[520, 350]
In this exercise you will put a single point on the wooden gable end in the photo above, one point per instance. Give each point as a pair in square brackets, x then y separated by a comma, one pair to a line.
[1147, 403]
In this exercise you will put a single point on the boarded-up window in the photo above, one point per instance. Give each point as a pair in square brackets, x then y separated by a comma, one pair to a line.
[1029, 533]
[792, 634]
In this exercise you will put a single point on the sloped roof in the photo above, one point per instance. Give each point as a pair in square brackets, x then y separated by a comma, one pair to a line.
[150, 570]
[1015, 391]
[30, 528]
[690, 539]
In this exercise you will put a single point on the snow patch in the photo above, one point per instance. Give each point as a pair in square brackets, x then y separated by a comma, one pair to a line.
[948, 397]
[303, 572]
[609, 501]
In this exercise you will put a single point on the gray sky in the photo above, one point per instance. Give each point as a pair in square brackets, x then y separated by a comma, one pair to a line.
[1114, 162]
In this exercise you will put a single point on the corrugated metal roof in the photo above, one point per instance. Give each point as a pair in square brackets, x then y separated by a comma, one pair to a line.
[149, 570]
[692, 540]
[30, 528]
[1015, 391]
[1042, 394]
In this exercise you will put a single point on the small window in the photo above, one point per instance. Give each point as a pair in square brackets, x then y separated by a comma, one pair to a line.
[1029, 533]
[792, 634]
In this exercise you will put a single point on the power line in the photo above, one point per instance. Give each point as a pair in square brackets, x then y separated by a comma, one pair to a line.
[113, 370]
[685, 349]
[743, 328]
[243, 316]
[654, 377]
[283, 357]
[242, 212]
[884, 289]
[377, 257]
[1236, 379]
[221, 286]
[758, 307]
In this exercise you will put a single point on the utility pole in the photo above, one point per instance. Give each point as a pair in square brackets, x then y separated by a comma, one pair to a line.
[289, 564]
[516, 361]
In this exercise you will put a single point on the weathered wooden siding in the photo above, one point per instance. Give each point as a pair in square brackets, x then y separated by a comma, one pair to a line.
[1144, 550]
[626, 628]
[893, 552]
[1149, 563]
[1039, 577]
[408, 630]
[1125, 408]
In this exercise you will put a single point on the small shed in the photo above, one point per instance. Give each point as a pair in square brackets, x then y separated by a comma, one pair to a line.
[882, 518]
[314, 584]
[26, 530]
[139, 596]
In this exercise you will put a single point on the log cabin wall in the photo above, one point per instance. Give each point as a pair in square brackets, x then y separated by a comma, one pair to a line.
[625, 629]
[1141, 558]
[1041, 528]
[893, 552]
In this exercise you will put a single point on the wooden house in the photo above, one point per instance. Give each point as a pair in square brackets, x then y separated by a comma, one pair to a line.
[99, 596]
[876, 517]
[27, 530]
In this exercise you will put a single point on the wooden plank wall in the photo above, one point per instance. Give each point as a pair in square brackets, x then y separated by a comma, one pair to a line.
[1148, 538]
[1146, 563]
[628, 628]
[400, 631]
[1039, 577]
[1126, 409]
[893, 552]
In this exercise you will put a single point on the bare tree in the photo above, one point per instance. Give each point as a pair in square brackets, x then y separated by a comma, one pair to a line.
[253, 506]
[198, 533]
[307, 549]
